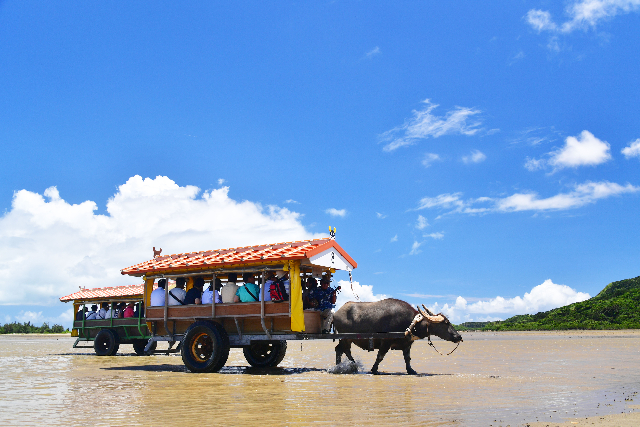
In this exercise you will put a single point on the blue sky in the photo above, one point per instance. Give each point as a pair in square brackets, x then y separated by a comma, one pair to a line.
[464, 151]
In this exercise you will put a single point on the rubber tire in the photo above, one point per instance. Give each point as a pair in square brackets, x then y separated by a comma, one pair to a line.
[267, 354]
[139, 345]
[205, 347]
[106, 343]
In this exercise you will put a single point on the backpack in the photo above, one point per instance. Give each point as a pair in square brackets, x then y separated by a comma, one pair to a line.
[277, 291]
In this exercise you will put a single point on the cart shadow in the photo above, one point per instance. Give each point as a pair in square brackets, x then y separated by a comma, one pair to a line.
[227, 370]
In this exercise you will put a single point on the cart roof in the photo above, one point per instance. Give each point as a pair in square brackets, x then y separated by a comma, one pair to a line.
[321, 252]
[101, 294]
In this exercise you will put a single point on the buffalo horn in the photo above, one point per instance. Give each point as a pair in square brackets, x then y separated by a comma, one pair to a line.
[435, 319]
[422, 312]
[428, 311]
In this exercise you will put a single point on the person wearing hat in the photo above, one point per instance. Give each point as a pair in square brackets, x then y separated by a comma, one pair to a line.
[157, 296]
[228, 292]
[326, 297]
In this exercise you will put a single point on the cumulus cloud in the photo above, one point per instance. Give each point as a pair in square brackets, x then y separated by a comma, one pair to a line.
[51, 247]
[337, 212]
[421, 223]
[543, 297]
[37, 318]
[583, 150]
[581, 195]
[632, 150]
[424, 124]
[364, 293]
[582, 14]
[429, 159]
[221, 181]
[476, 156]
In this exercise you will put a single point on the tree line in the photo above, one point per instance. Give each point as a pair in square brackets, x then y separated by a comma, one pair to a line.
[28, 328]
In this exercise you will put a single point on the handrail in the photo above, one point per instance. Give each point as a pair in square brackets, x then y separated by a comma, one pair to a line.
[264, 326]
[213, 302]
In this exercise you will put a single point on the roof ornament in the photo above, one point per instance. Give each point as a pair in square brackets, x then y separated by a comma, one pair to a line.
[332, 233]
[156, 253]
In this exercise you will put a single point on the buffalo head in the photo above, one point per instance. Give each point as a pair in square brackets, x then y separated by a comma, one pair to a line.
[436, 324]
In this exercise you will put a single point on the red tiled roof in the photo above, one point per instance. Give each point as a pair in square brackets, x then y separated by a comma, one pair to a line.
[101, 293]
[244, 255]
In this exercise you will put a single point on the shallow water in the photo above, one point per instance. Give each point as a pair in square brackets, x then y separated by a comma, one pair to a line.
[491, 379]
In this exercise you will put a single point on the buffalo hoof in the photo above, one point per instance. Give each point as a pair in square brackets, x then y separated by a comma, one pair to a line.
[374, 371]
[411, 372]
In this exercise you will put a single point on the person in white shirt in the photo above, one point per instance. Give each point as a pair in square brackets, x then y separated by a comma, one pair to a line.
[228, 291]
[92, 314]
[157, 296]
[102, 313]
[111, 312]
[177, 294]
[207, 296]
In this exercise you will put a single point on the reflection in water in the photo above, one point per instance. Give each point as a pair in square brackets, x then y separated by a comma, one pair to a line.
[512, 378]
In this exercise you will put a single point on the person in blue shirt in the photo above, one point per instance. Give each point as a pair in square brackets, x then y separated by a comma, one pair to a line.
[250, 292]
[326, 297]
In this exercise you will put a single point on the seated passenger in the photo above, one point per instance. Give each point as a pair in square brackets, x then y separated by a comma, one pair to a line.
[81, 314]
[228, 291]
[326, 296]
[157, 296]
[207, 296]
[139, 310]
[249, 292]
[308, 299]
[102, 313]
[128, 312]
[177, 294]
[194, 295]
[112, 312]
[93, 313]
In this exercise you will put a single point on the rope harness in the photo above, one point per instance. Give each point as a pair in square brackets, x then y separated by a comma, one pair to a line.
[409, 330]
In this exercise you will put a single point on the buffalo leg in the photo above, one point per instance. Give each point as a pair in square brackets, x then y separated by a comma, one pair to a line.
[407, 359]
[384, 348]
[344, 346]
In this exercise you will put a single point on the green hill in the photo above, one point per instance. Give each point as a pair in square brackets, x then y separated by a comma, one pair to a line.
[617, 306]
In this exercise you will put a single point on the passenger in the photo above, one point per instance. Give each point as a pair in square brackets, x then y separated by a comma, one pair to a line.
[157, 296]
[128, 312]
[228, 291]
[102, 313]
[308, 295]
[139, 310]
[249, 292]
[121, 308]
[276, 285]
[194, 295]
[112, 312]
[82, 313]
[271, 277]
[177, 294]
[326, 297]
[93, 313]
[214, 289]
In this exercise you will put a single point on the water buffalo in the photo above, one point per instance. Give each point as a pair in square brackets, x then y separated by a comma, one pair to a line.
[389, 315]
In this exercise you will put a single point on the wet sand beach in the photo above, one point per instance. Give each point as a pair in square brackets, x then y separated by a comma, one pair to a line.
[493, 379]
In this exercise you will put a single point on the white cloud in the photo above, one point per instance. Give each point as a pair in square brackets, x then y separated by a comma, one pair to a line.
[439, 235]
[364, 293]
[380, 216]
[421, 223]
[373, 52]
[543, 297]
[37, 319]
[291, 202]
[337, 212]
[394, 238]
[221, 181]
[476, 156]
[51, 247]
[429, 159]
[415, 248]
[632, 150]
[582, 194]
[584, 150]
[582, 14]
[424, 125]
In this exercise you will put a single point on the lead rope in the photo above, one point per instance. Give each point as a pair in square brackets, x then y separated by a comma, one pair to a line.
[352, 291]
[413, 337]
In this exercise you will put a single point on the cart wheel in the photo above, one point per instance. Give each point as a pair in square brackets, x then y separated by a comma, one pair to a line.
[265, 354]
[139, 345]
[106, 343]
[205, 347]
